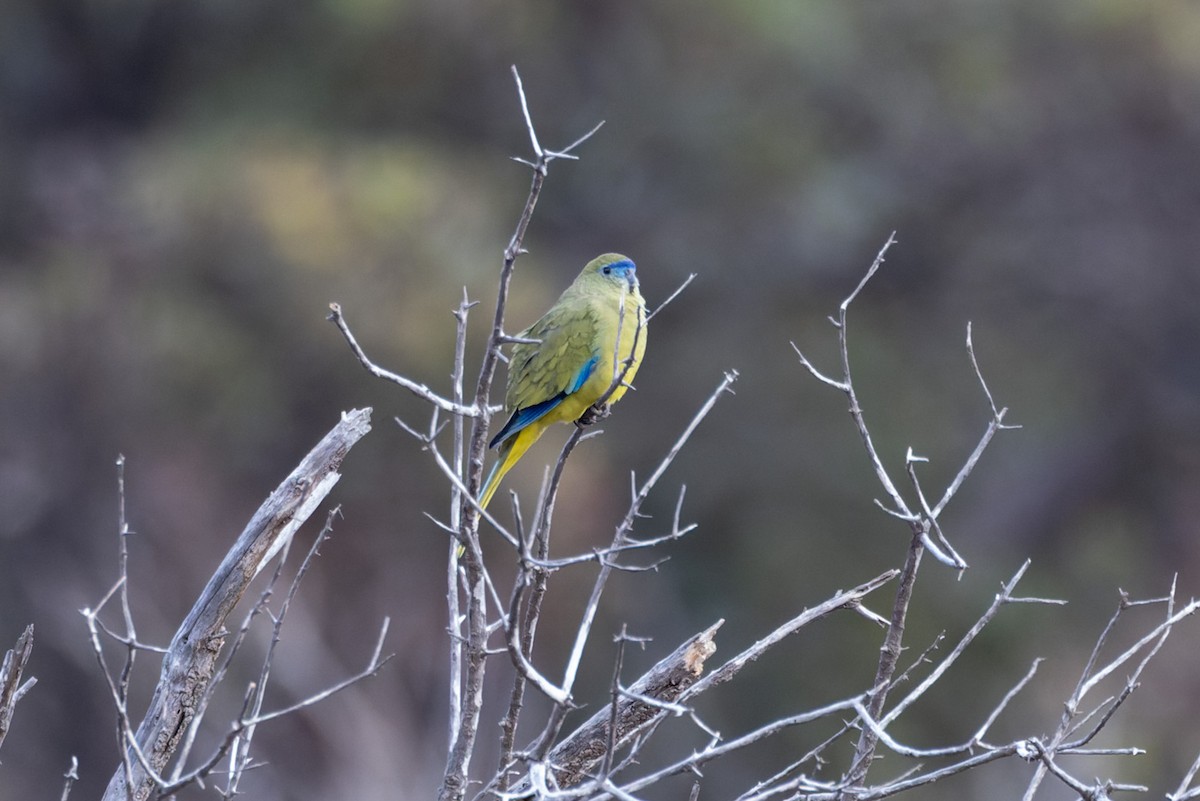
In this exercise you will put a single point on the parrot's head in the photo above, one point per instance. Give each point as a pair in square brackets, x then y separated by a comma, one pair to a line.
[613, 268]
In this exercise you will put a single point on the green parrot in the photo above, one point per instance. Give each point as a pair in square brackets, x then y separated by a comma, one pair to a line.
[572, 365]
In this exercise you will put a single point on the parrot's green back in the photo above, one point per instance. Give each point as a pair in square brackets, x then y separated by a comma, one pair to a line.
[583, 342]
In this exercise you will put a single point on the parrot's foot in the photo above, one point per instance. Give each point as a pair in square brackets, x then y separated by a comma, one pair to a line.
[594, 414]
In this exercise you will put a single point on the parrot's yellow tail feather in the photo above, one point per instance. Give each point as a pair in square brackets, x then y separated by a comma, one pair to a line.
[510, 453]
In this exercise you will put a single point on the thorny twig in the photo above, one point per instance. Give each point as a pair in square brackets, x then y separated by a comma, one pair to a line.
[240, 750]
[923, 523]
[1093, 674]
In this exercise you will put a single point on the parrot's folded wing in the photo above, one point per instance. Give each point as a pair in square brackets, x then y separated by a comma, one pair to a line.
[523, 417]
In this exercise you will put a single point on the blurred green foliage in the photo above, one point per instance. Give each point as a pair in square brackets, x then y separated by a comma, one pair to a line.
[186, 185]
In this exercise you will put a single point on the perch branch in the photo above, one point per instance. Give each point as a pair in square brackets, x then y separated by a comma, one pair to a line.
[469, 699]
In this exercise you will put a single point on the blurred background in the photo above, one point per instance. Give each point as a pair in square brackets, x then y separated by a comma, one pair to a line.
[186, 185]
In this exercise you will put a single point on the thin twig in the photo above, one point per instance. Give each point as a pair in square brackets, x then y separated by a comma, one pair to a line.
[1092, 675]
[337, 317]
[840, 600]
[936, 674]
[1182, 792]
[691, 277]
[238, 766]
[246, 721]
[698, 760]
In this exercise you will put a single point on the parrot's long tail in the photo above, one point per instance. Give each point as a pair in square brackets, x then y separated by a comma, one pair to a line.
[511, 452]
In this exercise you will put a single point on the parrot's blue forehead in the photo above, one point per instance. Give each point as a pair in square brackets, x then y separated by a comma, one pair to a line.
[622, 268]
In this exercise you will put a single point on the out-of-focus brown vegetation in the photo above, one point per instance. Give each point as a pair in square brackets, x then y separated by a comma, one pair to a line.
[185, 186]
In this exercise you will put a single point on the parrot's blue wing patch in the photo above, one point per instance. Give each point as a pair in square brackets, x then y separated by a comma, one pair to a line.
[523, 417]
[582, 376]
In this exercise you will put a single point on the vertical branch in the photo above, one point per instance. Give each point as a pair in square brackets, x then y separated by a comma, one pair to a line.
[889, 657]
[454, 618]
[491, 356]
[466, 728]
[123, 721]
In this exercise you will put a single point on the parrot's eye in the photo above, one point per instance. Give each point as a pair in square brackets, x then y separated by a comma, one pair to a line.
[608, 270]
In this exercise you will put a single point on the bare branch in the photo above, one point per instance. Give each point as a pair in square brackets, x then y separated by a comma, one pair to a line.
[454, 617]
[461, 491]
[373, 666]
[1004, 702]
[242, 751]
[1001, 599]
[231, 652]
[520, 660]
[1158, 633]
[875, 265]
[848, 386]
[247, 720]
[817, 374]
[994, 425]
[544, 157]
[701, 758]
[196, 645]
[533, 140]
